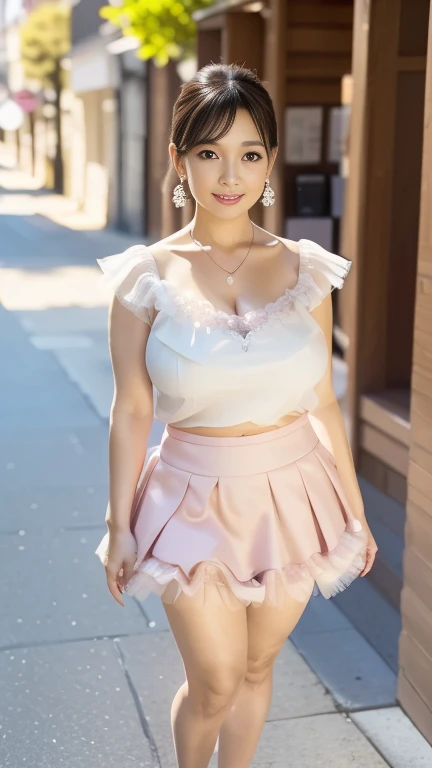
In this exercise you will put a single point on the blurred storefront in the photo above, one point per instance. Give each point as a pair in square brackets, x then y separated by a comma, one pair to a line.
[95, 81]
[110, 123]
[349, 80]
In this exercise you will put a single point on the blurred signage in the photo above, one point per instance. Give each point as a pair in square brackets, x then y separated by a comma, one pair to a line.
[27, 100]
[303, 135]
[29, 5]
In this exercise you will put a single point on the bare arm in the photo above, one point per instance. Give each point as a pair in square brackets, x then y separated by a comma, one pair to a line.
[328, 423]
[131, 419]
[131, 415]
[327, 418]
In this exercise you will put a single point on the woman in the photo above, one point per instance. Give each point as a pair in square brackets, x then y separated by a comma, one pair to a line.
[251, 503]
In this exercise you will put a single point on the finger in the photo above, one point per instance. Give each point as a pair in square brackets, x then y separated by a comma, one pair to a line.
[369, 562]
[113, 586]
[365, 567]
[115, 591]
[128, 572]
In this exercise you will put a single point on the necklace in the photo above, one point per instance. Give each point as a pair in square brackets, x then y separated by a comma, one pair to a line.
[230, 278]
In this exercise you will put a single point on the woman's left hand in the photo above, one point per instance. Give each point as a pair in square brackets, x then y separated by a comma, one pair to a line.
[371, 550]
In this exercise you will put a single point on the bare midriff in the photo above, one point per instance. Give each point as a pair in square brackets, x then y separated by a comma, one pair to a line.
[238, 430]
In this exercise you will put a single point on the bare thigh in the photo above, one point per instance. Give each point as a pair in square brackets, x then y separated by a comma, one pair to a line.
[213, 642]
[268, 628]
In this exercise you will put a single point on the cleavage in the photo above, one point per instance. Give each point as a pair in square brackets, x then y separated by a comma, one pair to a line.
[241, 305]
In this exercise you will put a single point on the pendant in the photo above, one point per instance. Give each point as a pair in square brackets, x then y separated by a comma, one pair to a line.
[230, 279]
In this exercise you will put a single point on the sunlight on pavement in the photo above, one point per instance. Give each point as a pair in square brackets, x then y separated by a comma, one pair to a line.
[61, 210]
[58, 208]
[76, 286]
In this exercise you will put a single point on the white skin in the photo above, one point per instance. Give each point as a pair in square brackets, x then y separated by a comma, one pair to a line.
[228, 655]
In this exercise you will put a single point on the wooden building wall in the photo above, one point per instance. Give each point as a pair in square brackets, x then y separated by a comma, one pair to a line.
[415, 647]
[381, 223]
[318, 53]
[300, 50]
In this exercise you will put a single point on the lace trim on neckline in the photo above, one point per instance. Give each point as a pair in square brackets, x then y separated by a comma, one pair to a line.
[205, 306]
[188, 307]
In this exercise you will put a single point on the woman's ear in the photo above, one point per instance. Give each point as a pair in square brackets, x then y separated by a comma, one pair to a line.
[271, 161]
[175, 159]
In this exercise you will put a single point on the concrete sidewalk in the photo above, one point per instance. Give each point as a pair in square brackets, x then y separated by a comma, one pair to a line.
[84, 682]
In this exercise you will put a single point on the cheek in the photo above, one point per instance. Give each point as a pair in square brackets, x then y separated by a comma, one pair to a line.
[201, 176]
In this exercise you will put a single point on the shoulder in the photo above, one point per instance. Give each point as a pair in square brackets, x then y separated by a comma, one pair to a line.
[323, 271]
[333, 265]
[133, 276]
[163, 250]
[135, 259]
[292, 245]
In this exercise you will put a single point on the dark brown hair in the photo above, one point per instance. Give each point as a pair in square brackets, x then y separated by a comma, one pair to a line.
[206, 107]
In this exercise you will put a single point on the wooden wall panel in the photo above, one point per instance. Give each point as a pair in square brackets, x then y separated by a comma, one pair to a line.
[163, 218]
[325, 39]
[405, 216]
[378, 220]
[274, 81]
[420, 673]
[244, 41]
[418, 532]
[413, 36]
[318, 52]
[415, 679]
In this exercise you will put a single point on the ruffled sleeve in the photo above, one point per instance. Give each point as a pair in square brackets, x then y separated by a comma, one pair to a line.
[134, 278]
[328, 271]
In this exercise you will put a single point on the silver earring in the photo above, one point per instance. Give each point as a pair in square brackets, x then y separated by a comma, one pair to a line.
[268, 196]
[179, 198]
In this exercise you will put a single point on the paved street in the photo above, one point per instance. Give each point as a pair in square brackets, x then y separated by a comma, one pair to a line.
[86, 683]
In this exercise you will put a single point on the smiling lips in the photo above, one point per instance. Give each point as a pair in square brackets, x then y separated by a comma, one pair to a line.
[228, 199]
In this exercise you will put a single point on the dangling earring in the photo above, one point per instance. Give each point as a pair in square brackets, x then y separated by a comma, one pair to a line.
[268, 197]
[179, 198]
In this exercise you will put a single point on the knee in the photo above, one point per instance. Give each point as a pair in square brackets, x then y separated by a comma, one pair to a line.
[258, 669]
[215, 691]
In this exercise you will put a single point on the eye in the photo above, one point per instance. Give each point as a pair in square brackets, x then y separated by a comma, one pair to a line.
[205, 152]
[210, 151]
[254, 153]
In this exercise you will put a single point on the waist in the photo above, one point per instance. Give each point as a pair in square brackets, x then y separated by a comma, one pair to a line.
[215, 456]
[246, 429]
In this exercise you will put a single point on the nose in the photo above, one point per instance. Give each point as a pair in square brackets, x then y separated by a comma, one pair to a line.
[229, 175]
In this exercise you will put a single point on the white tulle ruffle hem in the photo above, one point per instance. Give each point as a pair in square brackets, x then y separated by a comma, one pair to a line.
[327, 574]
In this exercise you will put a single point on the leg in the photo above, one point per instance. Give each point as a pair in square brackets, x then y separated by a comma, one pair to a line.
[268, 629]
[212, 640]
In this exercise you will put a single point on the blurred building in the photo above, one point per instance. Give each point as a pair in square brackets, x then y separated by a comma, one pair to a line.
[109, 83]
[352, 86]
[35, 142]
[95, 83]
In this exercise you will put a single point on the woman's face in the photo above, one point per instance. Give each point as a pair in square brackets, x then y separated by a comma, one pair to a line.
[235, 165]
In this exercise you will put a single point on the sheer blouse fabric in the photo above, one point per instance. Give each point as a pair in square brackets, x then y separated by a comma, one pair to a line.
[196, 354]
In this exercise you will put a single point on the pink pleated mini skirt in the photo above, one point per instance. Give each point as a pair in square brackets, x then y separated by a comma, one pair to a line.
[246, 520]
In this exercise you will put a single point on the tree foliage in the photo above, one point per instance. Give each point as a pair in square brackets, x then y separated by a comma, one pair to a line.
[165, 28]
[45, 40]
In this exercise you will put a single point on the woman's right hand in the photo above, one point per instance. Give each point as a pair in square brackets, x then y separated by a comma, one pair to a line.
[121, 554]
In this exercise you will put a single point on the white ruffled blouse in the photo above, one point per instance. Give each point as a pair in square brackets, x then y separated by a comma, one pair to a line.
[195, 354]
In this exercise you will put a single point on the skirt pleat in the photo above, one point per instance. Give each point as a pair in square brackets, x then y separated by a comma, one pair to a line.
[210, 525]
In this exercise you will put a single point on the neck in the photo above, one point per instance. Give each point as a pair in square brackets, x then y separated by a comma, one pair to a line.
[218, 234]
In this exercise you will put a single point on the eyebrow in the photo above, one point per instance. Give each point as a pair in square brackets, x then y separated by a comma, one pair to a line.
[253, 143]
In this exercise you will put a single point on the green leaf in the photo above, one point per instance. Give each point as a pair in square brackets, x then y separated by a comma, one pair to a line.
[44, 40]
[165, 28]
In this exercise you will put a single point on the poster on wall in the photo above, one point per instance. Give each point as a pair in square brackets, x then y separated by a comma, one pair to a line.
[337, 134]
[303, 134]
